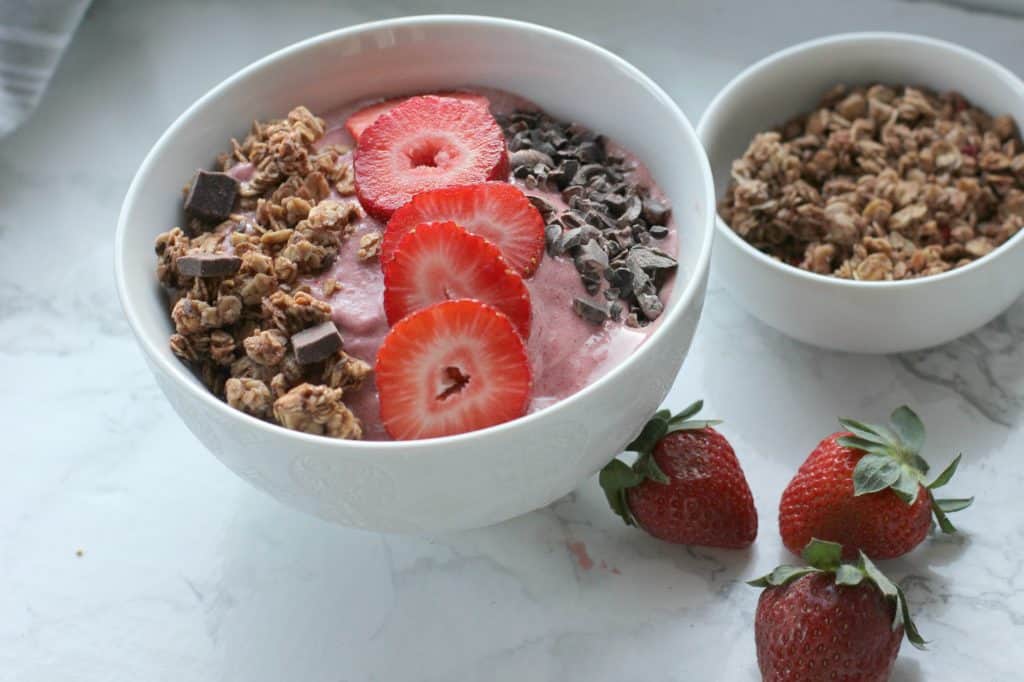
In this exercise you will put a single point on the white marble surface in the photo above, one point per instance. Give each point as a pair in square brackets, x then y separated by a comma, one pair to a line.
[186, 573]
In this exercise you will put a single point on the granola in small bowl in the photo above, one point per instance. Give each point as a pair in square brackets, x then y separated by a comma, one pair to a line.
[881, 183]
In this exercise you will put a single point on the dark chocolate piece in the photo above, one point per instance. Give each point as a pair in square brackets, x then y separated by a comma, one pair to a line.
[208, 265]
[211, 196]
[541, 205]
[529, 158]
[658, 231]
[316, 343]
[650, 305]
[656, 212]
[589, 152]
[591, 258]
[590, 311]
[648, 258]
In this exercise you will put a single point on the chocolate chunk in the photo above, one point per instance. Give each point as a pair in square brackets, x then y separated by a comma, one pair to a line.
[650, 305]
[589, 152]
[656, 212]
[658, 231]
[520, 140]
[546, 148]
[541, 205]
[316, 343]
[552, 234]
[600, 220]
[565, 172]
[530, 158]
[521, 172]
[208, 265]
[616, 203]
[622, 279]
[211, 196]
[586, 172]
[571, 219]
[633, 208]
[570, 239]
[580, 133]
[590, 311]
[649, 258]
[615, 310]
[572, 191]
[591, 258]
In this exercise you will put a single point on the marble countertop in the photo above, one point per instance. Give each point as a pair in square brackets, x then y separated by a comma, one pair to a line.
[128, 553]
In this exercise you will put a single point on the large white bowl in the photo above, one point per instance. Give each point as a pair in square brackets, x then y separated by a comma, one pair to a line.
[461, 481]
[866, 317]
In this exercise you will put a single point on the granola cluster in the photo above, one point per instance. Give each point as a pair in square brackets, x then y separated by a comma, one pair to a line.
[236, 330]
[881, 183]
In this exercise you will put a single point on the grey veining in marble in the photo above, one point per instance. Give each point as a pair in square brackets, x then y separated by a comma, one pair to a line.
[186, 573]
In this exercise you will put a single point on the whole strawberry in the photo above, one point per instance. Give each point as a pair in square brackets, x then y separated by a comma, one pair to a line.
[686, 486]
[864, 488]
[830, 621]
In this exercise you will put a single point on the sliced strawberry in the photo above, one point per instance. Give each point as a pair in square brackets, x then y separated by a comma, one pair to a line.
[426, 143]
[454, 367]
[497, 211]
[441, 261]
[364, 118]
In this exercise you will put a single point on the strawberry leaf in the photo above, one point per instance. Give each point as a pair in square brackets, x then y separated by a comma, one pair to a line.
[909, 627]
[891, 591]
[954, 505]
[615, 479]
[822, 554]
[848, 574]
[782, 575]
[945, 525]
[874, 473]
[646, 467]
[692, 425]
[865, 445]
[907, 485]
[908, 427]
[652, 432]
[946, 475]
[866, 431]
[688, 411]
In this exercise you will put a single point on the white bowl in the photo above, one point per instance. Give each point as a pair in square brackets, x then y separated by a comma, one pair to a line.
[472, 479]
[866, 317]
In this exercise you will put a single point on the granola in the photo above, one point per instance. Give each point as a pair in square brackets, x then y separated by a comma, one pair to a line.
[881, 183]
[236, 330]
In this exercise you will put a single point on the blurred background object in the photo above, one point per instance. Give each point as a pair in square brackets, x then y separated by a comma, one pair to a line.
[33, 35]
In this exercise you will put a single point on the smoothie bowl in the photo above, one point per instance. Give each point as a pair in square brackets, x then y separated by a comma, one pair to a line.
[413, 295]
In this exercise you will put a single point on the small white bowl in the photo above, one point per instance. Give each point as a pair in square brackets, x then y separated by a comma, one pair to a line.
[472, 479]
[865, 317]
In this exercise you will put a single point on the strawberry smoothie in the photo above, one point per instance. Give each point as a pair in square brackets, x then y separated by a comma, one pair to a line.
[416, 267]
[566, 351]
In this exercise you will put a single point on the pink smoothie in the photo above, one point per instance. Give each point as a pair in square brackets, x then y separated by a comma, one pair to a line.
[566, 352]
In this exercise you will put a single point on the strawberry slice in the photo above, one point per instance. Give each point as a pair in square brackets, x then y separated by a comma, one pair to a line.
[497, 211]
[454, 367]
[426, 143]
[364, 118]
[440, 261]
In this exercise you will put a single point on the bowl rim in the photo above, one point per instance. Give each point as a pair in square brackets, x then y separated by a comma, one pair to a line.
[685, 299]
[711, 113]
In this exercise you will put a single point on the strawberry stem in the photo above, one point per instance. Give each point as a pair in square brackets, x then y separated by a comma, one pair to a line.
[893, 461]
